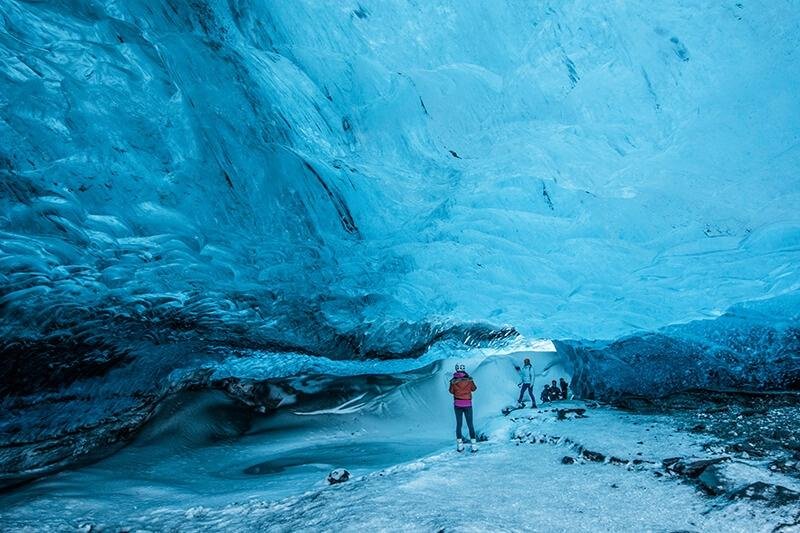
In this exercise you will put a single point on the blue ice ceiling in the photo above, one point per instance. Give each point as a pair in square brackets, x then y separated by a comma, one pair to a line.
[359, 179]
[189, 186]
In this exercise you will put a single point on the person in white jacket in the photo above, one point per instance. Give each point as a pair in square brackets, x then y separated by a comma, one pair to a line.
[526, 376]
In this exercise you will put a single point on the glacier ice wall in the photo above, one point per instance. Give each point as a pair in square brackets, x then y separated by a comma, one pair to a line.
[753, 346]
[346, 164]
[180, 179]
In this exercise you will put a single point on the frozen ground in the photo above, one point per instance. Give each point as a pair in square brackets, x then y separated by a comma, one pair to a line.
[507, 486]
[405, 476]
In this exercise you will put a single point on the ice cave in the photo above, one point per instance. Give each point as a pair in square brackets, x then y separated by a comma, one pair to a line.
[256, 254]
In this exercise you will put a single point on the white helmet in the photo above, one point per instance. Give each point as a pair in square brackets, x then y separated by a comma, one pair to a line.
[460, 367]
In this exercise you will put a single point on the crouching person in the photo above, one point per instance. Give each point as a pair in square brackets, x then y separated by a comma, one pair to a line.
[547, 394]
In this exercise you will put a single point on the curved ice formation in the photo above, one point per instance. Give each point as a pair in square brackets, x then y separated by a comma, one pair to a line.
[180, 181]
[290, 171]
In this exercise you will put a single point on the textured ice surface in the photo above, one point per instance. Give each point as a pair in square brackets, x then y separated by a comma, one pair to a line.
[296, 170]
[205, 462]
[753, 346]
[505, 486]
[185, 181]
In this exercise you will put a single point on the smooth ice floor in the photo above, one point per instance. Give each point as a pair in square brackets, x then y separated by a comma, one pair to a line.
[201, 451]
[272, 479]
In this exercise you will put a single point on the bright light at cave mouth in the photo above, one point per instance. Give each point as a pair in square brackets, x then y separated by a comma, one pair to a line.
[542, 345]
[245, 245]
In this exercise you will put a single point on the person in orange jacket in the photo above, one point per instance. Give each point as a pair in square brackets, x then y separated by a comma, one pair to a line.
[461, 387]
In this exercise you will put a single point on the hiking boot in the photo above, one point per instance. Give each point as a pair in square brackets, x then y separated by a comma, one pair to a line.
[459, 445]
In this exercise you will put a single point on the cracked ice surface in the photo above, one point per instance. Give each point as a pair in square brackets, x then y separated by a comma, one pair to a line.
[295, 171]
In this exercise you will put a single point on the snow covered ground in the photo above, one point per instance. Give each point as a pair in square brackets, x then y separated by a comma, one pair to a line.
[193, 470]
[501, 488]
[506, 486]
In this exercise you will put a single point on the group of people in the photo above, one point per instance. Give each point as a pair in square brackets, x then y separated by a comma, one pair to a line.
[555, 391]
[462, 386]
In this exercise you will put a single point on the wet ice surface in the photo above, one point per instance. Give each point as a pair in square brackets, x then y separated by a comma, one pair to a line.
[273, 479]
[204, 448]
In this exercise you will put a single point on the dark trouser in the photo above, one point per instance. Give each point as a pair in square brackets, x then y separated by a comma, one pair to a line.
[467, 413]
[526, 387]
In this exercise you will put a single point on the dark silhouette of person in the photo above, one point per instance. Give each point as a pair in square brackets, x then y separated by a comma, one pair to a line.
[545, 394]
[555, 394]
[564, 388]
